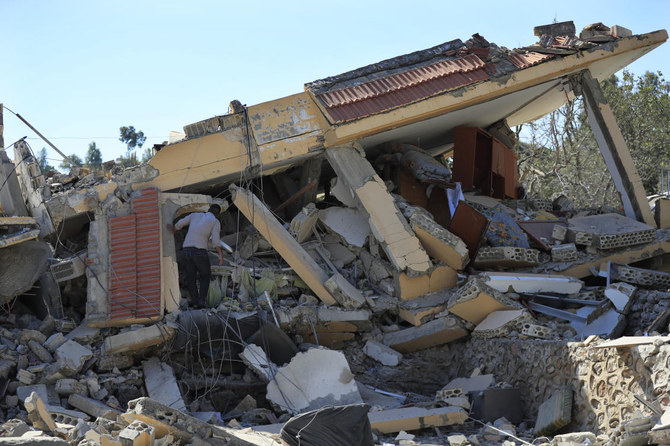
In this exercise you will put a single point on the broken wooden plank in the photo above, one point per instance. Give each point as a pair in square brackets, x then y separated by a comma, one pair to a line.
[283, 242]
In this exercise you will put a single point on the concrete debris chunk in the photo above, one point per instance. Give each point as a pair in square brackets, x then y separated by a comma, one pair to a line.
[436, 332]
[137, 433]
[421, 309]
[14, 428]
[72, 356]
[255, 358]
[38, 414]
[531, 283]
[54, 341]
[313, 379]
[381, 353]
[161, 384]
[439, 277]
[303, 223]
[183, 427]
[41, 352]
[609, 231]
[564, 253]
[92, 407]
[414, 418]
[506, 256]
[348, 223]
[500, 323]
[134, 340]
[475, 300]
[621, 295]
[438, 242]
[344, 292]
[68, 386]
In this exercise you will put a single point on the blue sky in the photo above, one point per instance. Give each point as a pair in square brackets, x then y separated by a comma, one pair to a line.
[79, 70]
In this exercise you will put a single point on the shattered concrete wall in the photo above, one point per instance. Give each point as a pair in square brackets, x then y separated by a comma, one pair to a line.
[604, 381]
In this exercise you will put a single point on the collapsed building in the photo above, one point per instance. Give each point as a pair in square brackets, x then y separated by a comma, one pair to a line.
[379, 251]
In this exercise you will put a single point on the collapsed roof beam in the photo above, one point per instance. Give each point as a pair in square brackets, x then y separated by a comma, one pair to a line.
[614, 150]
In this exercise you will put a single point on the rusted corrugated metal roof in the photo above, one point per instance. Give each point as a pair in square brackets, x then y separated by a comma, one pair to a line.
[402, 88]
[135, 276]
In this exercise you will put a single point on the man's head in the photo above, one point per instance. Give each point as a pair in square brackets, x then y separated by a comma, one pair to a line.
[215, 209]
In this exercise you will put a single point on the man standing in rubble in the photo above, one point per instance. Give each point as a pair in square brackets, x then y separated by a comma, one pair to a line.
[201, 226]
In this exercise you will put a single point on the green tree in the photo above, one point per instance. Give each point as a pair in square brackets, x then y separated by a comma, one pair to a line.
[128, 160]
[43, 162]
[76, 161]
[560, 155]
[147, 154]
[131, 138]
[94, 157]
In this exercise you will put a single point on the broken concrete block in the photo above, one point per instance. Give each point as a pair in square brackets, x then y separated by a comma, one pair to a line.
[536, 331]
[610, 231]
[414, 418]
[554, 413]
[84, 334]
[621, 295]
[381, 353]
[500, 323]
[25, 377]
[340, 254]
[31, 335]
[342, 192]
[41, 352]
[302, 224]
[438, 242]
[161, 384]
[68, 386]
[456, 401]
[564, 253]
[38, 414]
[134, 340]
[110, 362]
[437, 278]
[313, 379]
[422, 309]
[638, 276]
[609, 325]
[436, 332]
[72, 356]
[137, 433]
[24, 392]
[92, 407]
[559, 233]
[14, 428]
[506, 256]
[54, 341]
[475, 300]
[168, 421]
[348, 223]
[255, 358]
[531, 283]
[344, 293]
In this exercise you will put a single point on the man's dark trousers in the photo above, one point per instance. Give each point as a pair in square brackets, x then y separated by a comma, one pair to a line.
[196, 263]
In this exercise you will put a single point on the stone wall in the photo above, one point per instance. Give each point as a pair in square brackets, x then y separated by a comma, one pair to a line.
[604, 381]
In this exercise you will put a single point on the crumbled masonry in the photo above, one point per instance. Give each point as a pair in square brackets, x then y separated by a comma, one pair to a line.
[359, 271]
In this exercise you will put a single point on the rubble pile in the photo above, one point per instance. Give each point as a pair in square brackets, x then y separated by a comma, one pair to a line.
[360, 289]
